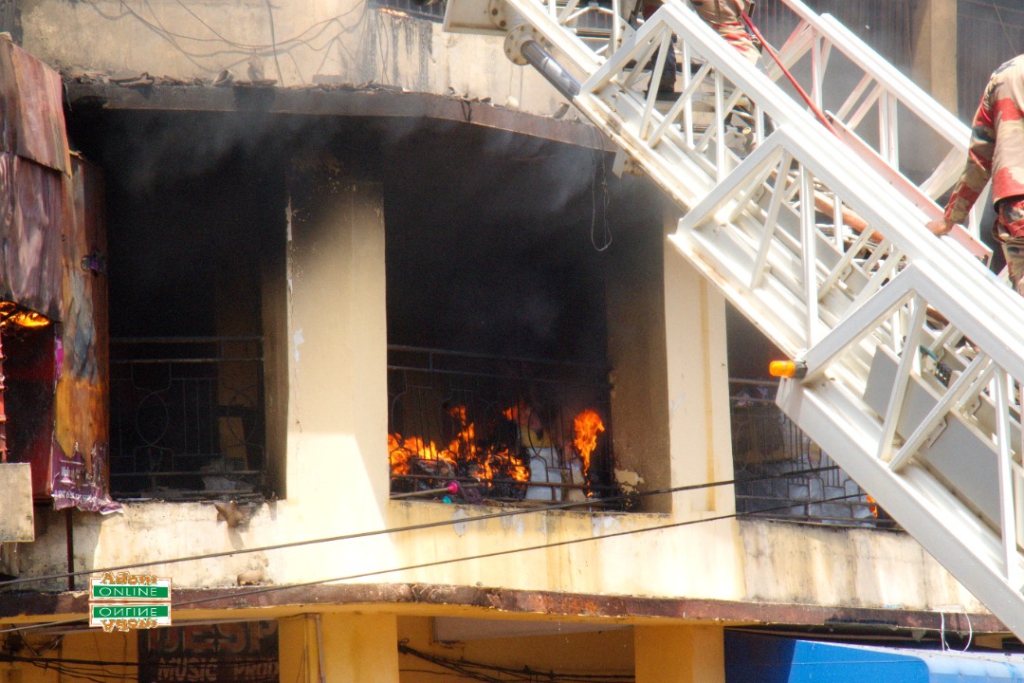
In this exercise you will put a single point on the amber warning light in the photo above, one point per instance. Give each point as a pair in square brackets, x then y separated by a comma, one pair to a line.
[788, 369]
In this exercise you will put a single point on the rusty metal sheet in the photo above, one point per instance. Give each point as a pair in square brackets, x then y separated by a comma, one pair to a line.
[29, 381]
[81, 469]
[31, 214]
[31, 109]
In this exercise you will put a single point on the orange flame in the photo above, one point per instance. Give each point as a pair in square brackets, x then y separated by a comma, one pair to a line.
[872, 506]
[30, 319]
[399, 452]
[11, 312]
[483, 463]
[587, 426]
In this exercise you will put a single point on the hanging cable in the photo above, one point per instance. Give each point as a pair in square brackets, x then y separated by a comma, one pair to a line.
[501, 553]
[412, 527]
[792, 79]
[437, 563]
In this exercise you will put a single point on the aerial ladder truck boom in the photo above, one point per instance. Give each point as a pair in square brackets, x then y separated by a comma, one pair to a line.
[912, 352]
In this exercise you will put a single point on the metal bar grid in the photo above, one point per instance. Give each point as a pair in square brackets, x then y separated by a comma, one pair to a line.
[781, 465]
[479, 418]
[187, 416]
[431, 11]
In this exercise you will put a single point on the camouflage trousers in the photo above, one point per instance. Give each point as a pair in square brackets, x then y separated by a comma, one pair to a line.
[1009, 231]
[724, 17]
[721, 15]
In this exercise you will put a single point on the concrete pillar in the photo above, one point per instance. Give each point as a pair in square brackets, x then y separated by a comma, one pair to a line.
[698, 387]
[337, 353]
[360, 648]
[679, 654]
[274, 315]
[297, 660]
[636, 352]
[353, 648]
[935, 50]
[666, 321]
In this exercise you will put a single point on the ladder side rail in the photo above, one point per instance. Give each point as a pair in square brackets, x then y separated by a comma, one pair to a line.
[752, 82]
[881, 100]
[931, 287]
[892, 80]
[889, 82]
[984, 310]
[976, 558]
[990, 417]
[922, 505]
[858, 324]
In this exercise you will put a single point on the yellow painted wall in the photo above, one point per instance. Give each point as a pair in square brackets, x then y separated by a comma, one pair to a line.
[90, 645]
[680, 654]
[593, 652]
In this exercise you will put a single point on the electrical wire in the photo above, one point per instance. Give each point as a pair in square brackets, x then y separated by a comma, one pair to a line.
[412, 527]
[437, 563]
[83, 662]
[239, 49]
[606, 232]
[273, 42]
[500, 553]
[469, 668]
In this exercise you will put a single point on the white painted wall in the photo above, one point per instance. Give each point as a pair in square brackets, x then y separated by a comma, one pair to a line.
[334, 41]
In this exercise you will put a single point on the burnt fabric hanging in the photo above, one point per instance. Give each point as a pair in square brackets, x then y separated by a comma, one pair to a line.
[80, 467]
[52, 293]
[34, 161]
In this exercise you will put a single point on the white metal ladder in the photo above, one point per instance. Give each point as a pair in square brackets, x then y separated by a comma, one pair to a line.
[914, 352]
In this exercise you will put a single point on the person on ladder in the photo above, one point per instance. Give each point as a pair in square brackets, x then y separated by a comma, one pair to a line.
[722, 15]
[996, 152]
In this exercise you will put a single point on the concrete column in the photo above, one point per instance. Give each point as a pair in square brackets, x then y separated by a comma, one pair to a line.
[679, 654]
[698, 387]
[636, 351]
[352, 648]
[274, 315]
[667, 345]
[296, 647]
[337, 352]
[360, 648]
[935, 50]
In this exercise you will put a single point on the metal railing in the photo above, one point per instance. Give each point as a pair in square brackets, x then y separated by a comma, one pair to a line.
[187, 416]
[431, 11]
[502, 427]
[883, 115]
[782, 474]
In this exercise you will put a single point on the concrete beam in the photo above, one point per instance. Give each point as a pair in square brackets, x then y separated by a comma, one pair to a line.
[467, 601]
[329, 101]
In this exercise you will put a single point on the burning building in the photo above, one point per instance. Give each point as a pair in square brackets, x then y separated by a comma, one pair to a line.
[389, 337]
